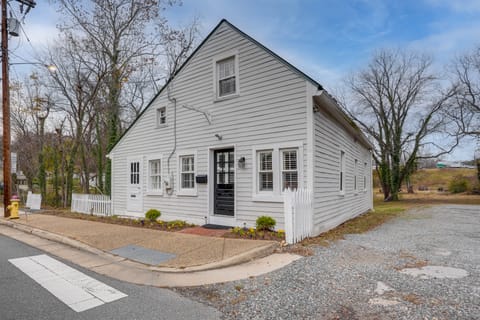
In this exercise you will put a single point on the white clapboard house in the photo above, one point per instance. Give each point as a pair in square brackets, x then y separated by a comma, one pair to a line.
[233, 128]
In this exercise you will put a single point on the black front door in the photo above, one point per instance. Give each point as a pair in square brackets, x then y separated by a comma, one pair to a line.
[224, 194]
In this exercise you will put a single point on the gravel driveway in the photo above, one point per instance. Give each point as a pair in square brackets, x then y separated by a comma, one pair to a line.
[423, 265]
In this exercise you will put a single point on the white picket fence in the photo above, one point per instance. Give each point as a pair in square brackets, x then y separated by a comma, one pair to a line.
[97, 204]
[298, 208]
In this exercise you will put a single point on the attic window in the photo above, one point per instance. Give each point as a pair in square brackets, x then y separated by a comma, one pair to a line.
[161, 117]
[226, 76]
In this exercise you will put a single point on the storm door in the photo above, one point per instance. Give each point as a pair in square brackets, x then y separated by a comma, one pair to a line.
[224, 184]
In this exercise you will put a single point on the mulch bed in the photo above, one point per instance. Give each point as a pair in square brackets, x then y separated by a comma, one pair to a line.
[124, 221]
[201, 231]
[257, 235]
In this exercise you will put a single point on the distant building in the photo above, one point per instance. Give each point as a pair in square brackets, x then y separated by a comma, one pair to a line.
[451, 164]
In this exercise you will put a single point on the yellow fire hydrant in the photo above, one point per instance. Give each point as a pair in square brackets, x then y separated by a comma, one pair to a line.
[13, 207]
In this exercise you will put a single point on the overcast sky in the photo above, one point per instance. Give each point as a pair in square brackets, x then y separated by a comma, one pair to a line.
[327, 39]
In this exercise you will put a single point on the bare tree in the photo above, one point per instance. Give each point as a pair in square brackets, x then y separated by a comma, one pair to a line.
[78, 81]
[466, 71]
[397, 101]
[125, 36]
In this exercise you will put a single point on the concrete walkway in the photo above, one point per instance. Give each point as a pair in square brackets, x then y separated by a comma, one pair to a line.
[196, 258]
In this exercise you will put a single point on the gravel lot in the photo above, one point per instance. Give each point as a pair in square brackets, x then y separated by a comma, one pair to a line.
[370, 276]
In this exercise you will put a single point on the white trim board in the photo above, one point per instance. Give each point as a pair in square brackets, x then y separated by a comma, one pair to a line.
[77, 290]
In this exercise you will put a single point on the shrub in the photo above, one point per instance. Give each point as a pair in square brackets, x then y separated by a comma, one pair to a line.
[458, 184]
[152, 215]
[476, 188]
[265, 223]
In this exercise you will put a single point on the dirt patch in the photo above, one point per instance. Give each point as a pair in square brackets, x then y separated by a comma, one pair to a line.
[412, 298]
[343, 313]
[296, 249]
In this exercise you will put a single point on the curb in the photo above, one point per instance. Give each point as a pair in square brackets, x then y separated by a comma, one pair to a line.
[244, 257]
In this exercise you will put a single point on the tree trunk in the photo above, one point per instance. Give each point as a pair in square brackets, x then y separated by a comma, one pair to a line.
[55, 179]
[42, 176]
[100, 157]
[113, 117]
[85, 170]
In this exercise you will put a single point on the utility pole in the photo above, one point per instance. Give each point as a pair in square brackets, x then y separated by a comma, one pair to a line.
[7, 171]
[7, 176]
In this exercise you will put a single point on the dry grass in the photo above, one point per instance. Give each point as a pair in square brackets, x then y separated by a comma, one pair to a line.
[440, 178]
[385, 211]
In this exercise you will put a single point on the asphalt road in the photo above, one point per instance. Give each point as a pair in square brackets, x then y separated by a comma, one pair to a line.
[23, 298]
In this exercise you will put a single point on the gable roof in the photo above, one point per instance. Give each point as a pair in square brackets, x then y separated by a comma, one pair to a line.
[223, 21]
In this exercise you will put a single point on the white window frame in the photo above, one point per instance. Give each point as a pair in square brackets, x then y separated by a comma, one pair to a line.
[218, 58]
[341, 174]
[158, 117]
[276, 195]
[186, 191]
[150, 190]
[282, 169]
[266, 192]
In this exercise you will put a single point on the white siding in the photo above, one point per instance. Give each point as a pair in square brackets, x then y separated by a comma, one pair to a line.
[331, 208]
[271, 109]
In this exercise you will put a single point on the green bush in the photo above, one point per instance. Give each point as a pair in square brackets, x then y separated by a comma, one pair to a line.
[152, 214]
[458, 184]
[265, 223]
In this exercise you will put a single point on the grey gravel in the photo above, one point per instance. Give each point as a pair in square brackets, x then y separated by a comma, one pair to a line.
[339, 281]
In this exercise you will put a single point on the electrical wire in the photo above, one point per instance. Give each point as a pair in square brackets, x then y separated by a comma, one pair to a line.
[22, 19]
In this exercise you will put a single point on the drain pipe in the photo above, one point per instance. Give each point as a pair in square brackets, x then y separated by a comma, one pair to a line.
[169, 183]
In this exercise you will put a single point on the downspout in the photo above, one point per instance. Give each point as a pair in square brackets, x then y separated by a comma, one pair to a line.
[169, 183]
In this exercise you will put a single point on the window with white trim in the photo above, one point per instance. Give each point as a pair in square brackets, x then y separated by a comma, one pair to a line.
[155, 175]
[275, 168]
[226, 77]
[342, 172]
[161, 116]
[187, 172]
[265, 170]
[289, 169]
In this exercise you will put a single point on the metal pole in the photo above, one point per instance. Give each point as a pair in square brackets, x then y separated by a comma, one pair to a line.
[7, 181]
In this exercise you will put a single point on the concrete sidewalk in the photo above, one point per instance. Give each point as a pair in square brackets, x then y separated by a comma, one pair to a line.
[195, 258]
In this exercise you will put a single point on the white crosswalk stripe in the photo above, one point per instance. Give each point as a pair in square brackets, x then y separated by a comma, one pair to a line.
[77, 290]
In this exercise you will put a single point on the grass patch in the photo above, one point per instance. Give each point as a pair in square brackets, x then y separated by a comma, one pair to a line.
[385, 211]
